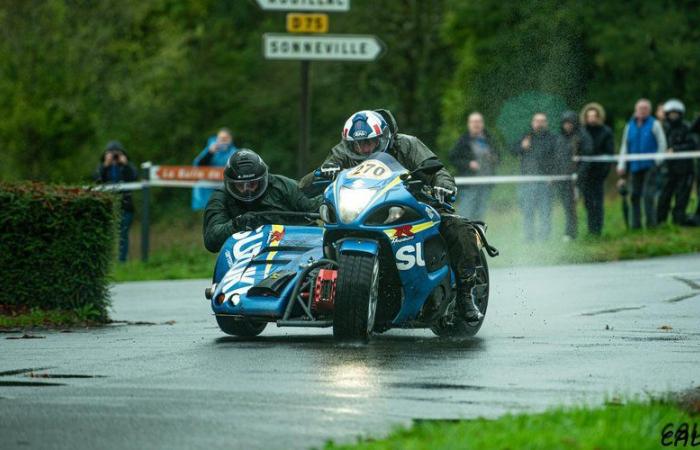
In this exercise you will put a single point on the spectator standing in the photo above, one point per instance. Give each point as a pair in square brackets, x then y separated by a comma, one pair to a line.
[678, 182]
[659, 113]
[592, 175]
[573, 141]
[115, 167]
[216, 153]
[475, 153]
[536, 151]
[695, 218]
[643, 134]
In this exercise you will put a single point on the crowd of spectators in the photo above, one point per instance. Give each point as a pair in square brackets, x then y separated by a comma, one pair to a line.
[654, 186]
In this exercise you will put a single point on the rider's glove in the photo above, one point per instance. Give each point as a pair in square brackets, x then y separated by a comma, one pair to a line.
[329, 170]
[444, 195]
[245, 221]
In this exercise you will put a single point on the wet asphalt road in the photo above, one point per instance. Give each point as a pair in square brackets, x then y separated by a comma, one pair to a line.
[554, 335]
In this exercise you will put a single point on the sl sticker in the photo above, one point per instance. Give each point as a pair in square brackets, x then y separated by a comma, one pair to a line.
[372, 169]
[409, 256]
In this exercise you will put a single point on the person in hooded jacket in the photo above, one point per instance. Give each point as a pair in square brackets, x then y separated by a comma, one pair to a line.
[679, 174]
[366, 132]
[115, 167]
[592, 175]
[572, 141]
[248, 190]
[695, 129]
[216, 153]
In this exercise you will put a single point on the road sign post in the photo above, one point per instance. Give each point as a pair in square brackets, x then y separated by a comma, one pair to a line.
[309, 47]
[304, 115]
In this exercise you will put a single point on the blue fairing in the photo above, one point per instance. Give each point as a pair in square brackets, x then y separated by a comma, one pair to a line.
[359, 246]
[249, 257]
[376, 186]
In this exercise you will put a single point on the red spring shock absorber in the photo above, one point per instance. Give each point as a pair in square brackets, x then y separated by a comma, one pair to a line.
[324, 291]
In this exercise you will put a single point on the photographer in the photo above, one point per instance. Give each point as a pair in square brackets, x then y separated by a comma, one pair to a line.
[115, 168]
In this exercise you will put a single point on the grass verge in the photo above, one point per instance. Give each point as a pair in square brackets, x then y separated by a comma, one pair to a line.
[635, 425]
[51, 318]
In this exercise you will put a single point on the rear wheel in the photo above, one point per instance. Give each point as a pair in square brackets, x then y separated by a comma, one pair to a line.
[240, 327]
[459, 327]
[357, 293]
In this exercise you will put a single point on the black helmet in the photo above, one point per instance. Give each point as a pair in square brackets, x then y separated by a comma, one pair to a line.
[246, 175]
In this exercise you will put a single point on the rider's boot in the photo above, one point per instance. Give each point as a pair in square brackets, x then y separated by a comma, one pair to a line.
[465, 298]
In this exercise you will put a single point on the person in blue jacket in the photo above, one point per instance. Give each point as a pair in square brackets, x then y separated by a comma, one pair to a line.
[642, 134]
[216, 153]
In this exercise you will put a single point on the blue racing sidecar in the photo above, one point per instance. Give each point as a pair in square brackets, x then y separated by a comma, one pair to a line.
[377, 262]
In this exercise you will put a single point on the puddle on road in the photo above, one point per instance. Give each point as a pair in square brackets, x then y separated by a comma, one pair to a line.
[612, 310]
[690, 283]
[29, 383]
[680, 298]
[653, 338]
[140, 322]
[9, 373]
[436, 386]
[26, 336]
[35, 373]
[61, 375]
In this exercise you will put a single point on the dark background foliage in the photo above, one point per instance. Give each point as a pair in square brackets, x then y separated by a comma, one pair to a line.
[162, 75]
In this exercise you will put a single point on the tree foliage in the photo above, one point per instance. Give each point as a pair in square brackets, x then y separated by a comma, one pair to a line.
[162, 75]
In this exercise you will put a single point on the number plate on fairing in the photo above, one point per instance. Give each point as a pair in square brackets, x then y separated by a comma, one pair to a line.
[372, 169]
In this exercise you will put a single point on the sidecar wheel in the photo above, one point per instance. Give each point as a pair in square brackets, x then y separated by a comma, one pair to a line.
[357, 293]
[240, 327]
[460, 327]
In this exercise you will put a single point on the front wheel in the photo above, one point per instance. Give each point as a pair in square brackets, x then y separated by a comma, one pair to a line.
[356, 296]
[240, 327]
[458, 327]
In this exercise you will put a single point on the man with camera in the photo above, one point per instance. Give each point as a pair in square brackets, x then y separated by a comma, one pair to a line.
[115, 168]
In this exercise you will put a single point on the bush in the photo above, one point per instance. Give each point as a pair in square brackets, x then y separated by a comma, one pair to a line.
[56, 247]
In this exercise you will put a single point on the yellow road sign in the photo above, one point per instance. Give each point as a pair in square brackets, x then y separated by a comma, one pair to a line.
[307, 23]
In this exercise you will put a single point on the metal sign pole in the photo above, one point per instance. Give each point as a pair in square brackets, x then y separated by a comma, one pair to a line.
[145, 211]
[304, 119]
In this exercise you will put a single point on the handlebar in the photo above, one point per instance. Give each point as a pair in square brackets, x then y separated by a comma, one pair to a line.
[425, 194]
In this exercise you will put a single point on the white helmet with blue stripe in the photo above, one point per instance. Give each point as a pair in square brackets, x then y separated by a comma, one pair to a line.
[367, 132]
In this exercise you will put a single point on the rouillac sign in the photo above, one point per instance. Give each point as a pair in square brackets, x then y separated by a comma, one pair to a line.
[187, 173]
[305, 5]
[330, 47]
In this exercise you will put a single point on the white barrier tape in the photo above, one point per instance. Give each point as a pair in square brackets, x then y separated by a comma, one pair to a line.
[508, 179]
[639, 157]
[138, 185]
[110, 187]
[175, 183]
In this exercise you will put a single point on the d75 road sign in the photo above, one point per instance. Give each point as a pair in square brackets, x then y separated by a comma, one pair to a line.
[307, 23]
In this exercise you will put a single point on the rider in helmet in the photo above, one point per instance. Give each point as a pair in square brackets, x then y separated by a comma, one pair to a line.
[679, 177]
[249, 187]
[367, 132]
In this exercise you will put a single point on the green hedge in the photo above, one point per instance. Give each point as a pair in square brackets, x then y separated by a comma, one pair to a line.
[56, 247]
